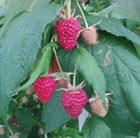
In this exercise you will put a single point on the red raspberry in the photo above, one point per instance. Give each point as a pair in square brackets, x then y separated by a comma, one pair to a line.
[44, 87]
[67, 31]
[73, 102]
[50, 71]
[55, 65]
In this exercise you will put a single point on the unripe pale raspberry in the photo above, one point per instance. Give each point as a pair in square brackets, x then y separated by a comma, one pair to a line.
[73, 102]
[2, 131]
[97, 107]
[67, 32]
[14, 136]
[44, 87]
[62, 83]
[90, 35]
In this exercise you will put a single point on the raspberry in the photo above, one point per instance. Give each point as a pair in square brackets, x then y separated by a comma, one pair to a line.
[2, 131]
[90, 35]
[62, 83]
[54, 68]
[73, 102]
[55, 65]
[97, 107]
[14, 136]
[67, 31]
[50, 71]
[44, 87]
[85, 1]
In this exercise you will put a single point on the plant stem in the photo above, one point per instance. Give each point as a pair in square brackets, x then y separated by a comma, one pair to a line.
[96, 94]
[85, 21]
[7, 126]
[74, 76]
[69, 8]
[61, 71]
[31, 7]
[78, 46]
[10, 130]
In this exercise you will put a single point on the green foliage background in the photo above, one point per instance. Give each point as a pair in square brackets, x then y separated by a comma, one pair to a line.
[112, 65]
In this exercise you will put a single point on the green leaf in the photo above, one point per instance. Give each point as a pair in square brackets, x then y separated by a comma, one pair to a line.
[15, 6]
[19, 49]
[53, 113]
[2, 12]
[121, 136]
[2, 3]
[114, 28]
[69, 132]
[133, 6]
[24, 118]
[124, 13]
[127, 67]
[137, 47]
[118, 12]
[15, 9]
[107, 52]
[67, 59]
[96, 128]
[8, 23]
[40, 68]
[88, 67]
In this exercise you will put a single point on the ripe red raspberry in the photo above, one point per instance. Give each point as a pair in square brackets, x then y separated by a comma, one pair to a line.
[50, 71]
[55, 65]
[54, 68]
[73, 102]
[67, 32]
[44, 87]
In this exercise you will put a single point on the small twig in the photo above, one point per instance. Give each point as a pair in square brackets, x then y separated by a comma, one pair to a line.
[74, 77]
[31, 7]
[69, 8]
[84, 18]
[61, 71]
[98, 23]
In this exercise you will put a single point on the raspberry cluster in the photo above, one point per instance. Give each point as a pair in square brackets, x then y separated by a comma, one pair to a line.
[73, 99]
[68, 31]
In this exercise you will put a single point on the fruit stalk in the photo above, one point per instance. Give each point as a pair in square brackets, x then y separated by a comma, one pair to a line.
[60, 68]
[9, 129]
[84, 18]
[74, 77]
[31, 7]
[69, 8]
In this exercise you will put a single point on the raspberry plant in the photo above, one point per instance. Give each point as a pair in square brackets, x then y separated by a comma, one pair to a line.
[85, 55]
